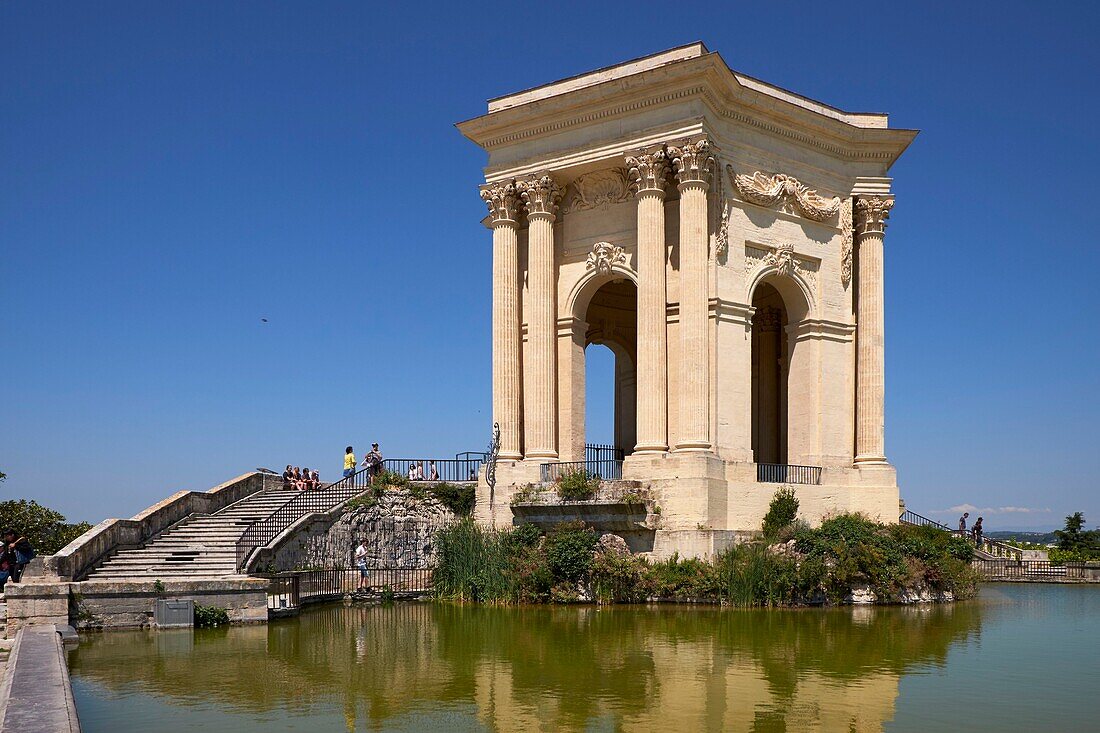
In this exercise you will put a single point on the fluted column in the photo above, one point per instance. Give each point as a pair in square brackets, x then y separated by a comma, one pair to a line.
[694, 163]
[871, 215]
[648, 172]
[540, 196]
[503, 202]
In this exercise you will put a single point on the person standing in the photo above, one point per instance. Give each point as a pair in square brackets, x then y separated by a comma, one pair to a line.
[976, 533]
[373, 461]
[361, 563]
[20, 551]
[349, 461]
[962, 523]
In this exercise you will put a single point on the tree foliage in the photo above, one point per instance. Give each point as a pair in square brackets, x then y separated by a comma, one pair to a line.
[44, 528]
[1075, 543]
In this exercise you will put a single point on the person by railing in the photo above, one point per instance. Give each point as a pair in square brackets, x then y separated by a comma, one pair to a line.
[373, 462]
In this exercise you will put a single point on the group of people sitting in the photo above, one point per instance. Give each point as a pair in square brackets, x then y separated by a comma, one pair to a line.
[300, 478]
[417, 473]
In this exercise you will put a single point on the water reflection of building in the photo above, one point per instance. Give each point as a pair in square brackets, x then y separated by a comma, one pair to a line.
[619, 668]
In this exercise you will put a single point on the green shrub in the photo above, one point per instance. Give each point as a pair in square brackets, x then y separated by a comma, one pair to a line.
[569, 548]
[619, 578]
[677, 578]
[472, 564]
[387, 478]
[781, 512]
[459, 498]
[210, 616]
[45, 529]
[577, 486]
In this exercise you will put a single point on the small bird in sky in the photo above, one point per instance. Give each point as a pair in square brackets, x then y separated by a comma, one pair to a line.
[264, 320]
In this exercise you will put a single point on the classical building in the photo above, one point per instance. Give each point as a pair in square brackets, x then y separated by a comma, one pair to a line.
[724, 237]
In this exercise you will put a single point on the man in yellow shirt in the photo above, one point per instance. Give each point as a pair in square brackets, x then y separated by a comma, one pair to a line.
[349, 461]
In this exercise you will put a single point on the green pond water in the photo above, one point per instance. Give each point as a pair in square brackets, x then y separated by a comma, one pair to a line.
[1019, 658]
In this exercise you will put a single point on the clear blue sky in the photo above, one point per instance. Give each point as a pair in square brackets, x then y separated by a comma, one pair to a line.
[172, 173]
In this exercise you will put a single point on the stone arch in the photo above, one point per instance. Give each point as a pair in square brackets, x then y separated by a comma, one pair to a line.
[796, 291]
[594, 278]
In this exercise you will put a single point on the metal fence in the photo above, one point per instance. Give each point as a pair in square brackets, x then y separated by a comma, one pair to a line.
[457, 470]
[782, 473]
[985, 544]
[1036, 570]
[909, 517]
[290, 590]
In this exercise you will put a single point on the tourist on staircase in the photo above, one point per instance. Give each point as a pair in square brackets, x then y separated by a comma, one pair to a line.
[976, 533]
[349, 461]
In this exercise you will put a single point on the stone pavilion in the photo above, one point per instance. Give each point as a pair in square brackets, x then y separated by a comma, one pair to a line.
[724, 238]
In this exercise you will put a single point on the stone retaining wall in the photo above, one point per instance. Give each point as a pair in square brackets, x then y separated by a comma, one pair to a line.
[399, 531]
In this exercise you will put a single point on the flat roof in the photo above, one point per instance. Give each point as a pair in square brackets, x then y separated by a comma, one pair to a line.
[672, 56]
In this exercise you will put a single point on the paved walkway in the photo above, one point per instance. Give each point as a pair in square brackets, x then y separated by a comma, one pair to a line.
[35, 696]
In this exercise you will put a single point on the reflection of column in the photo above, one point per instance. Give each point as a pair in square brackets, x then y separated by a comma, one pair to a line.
[503, 201]
[693, 162]
[648, 172]
[541, 195]
[871, 215]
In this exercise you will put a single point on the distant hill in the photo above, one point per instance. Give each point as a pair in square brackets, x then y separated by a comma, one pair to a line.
[1039, 538]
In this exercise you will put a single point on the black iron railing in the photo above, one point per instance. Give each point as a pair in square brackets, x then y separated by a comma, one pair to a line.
[596, 454]
[1035, 569]
[261, 532]
[983, 543]
[909, 517]
[458, 470]
[290, 590]
[782, 473]
[604, 470]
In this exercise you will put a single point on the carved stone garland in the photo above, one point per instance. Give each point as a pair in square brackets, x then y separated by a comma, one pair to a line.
[779, 189]
[605, 256]
[593, 190]
[846, 242]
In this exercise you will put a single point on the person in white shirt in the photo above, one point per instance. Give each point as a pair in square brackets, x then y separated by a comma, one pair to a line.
[433, 472]
[412, 471]
[361, 563]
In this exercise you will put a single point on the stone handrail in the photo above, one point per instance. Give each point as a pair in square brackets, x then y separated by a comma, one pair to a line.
[81, 555]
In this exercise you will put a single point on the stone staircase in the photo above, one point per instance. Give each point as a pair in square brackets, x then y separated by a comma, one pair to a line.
[200, 546]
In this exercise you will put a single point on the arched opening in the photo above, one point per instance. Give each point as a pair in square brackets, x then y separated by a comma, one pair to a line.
[770, 365]
[611, 398]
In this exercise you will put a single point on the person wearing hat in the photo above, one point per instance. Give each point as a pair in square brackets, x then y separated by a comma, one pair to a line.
[373, 461]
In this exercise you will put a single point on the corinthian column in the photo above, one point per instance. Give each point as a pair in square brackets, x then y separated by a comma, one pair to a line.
[693, 163]
[648, 171]
[871, 215]
[503, 202]
[540, 196]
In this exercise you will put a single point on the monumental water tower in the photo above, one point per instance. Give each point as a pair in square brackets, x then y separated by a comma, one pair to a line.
[724, 238]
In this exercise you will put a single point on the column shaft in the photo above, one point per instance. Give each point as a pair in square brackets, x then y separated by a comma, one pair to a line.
[507, 395]
[694, 427]
[541, 442]
[652, 325]
[870, 353]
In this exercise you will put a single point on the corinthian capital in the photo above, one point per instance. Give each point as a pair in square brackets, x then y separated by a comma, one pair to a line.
[502, 200]
[694, 161]
[540, 195]
[872, 213]
[648, 170]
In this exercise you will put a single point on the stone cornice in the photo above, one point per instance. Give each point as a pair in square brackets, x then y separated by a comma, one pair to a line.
[847, 136]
